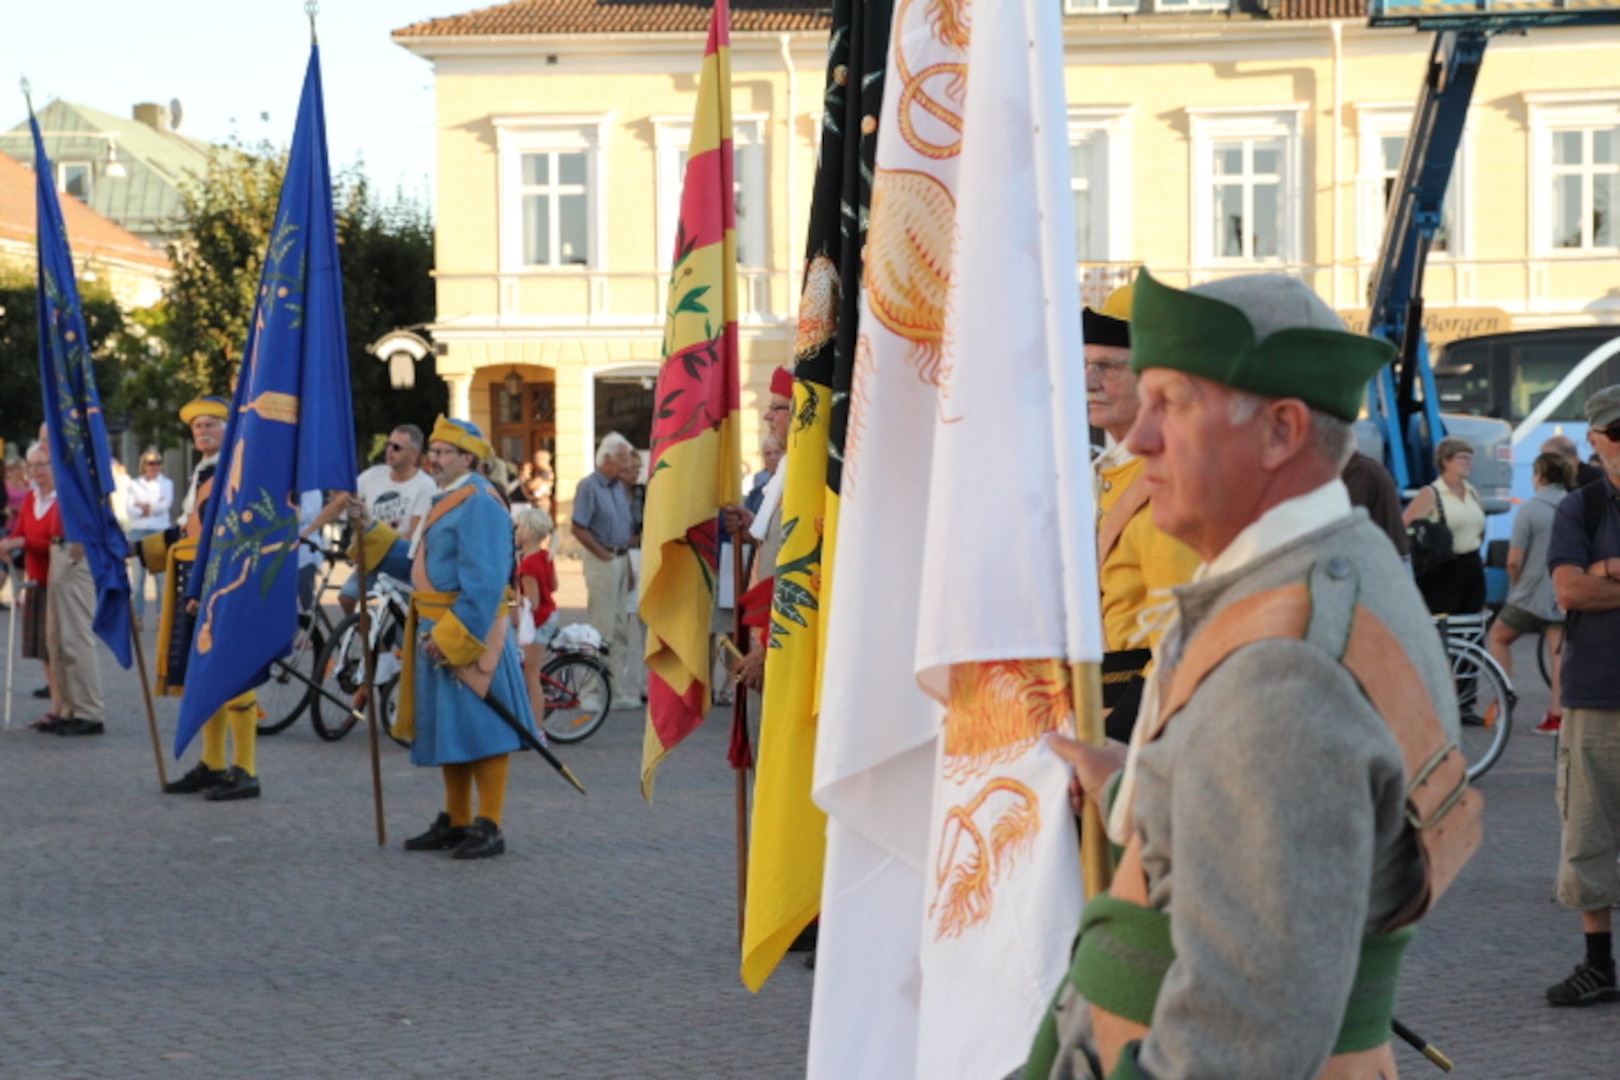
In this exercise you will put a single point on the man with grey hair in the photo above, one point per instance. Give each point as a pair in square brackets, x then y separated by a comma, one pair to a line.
[1265, 787]
[1564, 446]
[1584, 557]
[603, 525]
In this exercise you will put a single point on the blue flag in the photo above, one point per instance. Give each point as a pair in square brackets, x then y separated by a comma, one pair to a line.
[291, 430]
[78, 430]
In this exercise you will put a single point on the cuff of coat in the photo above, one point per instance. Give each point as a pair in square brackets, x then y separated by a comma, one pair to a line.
[1126, 1067]
[458, 644]
[374, 545]
[154, 552]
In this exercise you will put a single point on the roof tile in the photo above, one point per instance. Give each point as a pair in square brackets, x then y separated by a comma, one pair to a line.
[89, 233]
[524, 17]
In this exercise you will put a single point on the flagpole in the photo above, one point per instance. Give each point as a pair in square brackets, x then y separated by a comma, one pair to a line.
[739, 723]
[371, 685]
[11, 635]
[1085, 689]
[146, 693]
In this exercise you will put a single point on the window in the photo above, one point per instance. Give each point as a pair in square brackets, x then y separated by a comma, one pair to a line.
[1383, 131]
[1193, 5]
[1574, 171]
[1247, 176]
[673, 138]
[74, 179]
[555, 198]
[1585, 174]
[1099, 176]
[551, 182]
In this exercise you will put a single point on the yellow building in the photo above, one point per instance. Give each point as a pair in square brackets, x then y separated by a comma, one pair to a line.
[1209, 137]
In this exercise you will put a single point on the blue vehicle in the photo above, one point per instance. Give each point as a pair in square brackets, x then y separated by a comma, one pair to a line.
[1405, 401]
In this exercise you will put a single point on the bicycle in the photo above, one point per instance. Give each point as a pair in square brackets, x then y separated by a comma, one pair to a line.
[578, 694]
[341, 667]
[283, 697]
[1485, 694]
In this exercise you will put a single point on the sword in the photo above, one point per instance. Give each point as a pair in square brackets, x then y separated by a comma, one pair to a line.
[496, 705]
[499, 708]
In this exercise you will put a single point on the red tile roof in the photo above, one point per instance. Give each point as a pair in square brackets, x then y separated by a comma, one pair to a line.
[89, 233]
[523, 17]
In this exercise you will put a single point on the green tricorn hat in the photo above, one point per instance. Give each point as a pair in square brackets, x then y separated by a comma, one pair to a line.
[1268, 334]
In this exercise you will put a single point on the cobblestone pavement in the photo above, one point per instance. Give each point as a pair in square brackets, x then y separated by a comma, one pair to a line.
[144, 935]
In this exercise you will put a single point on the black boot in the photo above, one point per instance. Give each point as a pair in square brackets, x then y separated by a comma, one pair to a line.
[236, 785]
[483, 840]
[200, 778]
[441, 836]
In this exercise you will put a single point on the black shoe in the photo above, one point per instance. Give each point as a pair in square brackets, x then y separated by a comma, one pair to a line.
[441, 836]
[43, 692]
[810, 959]
[236, 785]
[200, 778]
[78, 725]
[47, 724]
[1586, 985]
[806, 941]
[483, 840]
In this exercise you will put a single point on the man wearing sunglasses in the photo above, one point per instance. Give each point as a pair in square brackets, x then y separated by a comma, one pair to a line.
[1584, 557]
[395, 493]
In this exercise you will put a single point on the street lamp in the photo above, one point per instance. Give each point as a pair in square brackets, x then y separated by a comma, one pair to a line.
[401, 350]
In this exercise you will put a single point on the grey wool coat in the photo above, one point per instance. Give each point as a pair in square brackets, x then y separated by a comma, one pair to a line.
[1271, 812]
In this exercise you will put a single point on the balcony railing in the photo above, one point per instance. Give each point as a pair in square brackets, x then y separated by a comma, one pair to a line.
[1564, 286]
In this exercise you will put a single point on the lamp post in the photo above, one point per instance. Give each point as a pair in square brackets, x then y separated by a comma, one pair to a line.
[401, 350]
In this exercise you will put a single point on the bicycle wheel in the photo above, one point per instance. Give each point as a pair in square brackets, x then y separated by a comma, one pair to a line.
[1484, 705]
[283, 697]
[341, 669]
[1542, 661]
[388, 709]
[579, 692]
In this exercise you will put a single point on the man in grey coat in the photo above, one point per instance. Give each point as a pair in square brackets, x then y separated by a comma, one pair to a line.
[1255, 922]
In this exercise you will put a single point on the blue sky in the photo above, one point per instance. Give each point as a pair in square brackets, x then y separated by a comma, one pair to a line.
[229, 62]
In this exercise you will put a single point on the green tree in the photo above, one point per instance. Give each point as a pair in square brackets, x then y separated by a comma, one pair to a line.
[22, 403]
[193, 344]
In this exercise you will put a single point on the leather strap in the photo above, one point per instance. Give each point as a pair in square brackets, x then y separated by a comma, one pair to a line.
[1119, 515]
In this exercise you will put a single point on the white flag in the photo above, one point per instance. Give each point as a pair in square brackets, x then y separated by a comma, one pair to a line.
[965, 573]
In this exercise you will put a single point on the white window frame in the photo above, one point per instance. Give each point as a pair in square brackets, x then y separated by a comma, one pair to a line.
[1209, 125]
[1374, 123]
[1100, 7]
[1167, 6]
[1559, 111]
[519, 135]
[1108, 127]
[672, 137]
[62, 169]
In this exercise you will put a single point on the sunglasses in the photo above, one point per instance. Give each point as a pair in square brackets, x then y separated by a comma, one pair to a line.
[398, 447]
[153, 462]
[1612, 432]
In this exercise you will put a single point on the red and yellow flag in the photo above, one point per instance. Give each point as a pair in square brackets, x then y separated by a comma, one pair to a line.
[696, 461]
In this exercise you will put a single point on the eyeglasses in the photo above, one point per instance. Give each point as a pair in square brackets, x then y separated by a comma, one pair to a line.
[1612, 432]
[400, 447]
[1104, 369]
[153, 461]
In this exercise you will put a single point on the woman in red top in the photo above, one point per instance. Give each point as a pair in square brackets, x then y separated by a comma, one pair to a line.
[537, 583]
[34, 528]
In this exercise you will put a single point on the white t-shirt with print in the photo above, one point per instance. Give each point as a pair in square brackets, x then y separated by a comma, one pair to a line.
[394, 502]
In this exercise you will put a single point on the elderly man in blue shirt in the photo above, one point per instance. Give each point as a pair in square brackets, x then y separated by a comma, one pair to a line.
[603, 525]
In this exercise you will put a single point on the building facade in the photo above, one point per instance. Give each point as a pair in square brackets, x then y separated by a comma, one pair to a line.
[1206, 139]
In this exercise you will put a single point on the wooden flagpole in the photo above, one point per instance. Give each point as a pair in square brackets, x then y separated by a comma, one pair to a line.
[739, 720]
[371, 682]
[146, 693]
[1085, 689]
